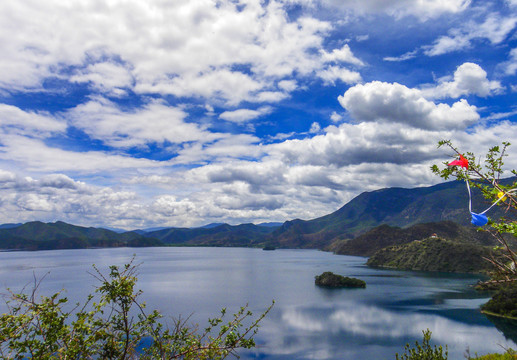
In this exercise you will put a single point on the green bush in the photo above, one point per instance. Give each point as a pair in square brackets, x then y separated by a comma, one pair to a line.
[103, 328]
[424, 351]
[503, 302]
[510, 354]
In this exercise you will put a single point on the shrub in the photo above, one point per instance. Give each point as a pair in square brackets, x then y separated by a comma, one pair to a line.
[424, 351]
[106, 329]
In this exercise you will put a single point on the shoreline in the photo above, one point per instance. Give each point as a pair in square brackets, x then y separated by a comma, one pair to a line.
[498, 315]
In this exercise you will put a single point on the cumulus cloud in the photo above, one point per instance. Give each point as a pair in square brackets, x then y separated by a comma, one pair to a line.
[341, 55]
[221, 60]
[315, 128]
[354, 144]
[109, 77]
[245, 115]
[153, 123]
[302, 178]
[227, 148]
[495, 29]
[35, 155]
[14, 120]
[395, 103]
[158, 47]
[288, 85]
[424, 9]
[469, 78]
[335, 117]
[333, 73]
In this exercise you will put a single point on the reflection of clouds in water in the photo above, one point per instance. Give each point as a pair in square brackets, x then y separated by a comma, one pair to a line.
[320, 333]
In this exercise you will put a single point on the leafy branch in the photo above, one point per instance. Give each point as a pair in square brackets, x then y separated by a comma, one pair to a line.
[114, 326]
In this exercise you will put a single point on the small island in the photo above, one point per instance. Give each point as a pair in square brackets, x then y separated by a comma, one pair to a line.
[269, 248]
[330, 280]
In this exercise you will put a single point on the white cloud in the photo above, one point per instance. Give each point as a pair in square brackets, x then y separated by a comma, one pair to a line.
[403, 57]
[152, 123]
[469, 78]
[333, 73]
[230, 57]
[180, 48]
[302, 178]
[288, 85]
[227, 148]
[269, 96]
[395, 103]
[315, 128]
[13, 120]
[244, 115]
[35, 155]
[495, 28]
[423, 9]
[335, 117]
[511, 65]
[341, 55]
[107, 77]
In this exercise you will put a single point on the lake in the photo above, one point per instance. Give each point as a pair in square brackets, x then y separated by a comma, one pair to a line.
[306, 322]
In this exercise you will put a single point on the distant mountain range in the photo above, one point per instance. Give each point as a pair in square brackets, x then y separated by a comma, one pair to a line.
[392, 206]
[37, 235]
[396, 207]
[385, 235]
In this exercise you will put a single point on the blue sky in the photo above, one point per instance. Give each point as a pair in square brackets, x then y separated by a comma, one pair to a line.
[136, 114]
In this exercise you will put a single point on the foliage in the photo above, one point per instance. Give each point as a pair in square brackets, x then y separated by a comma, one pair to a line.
[424, 351]
[510, 354]
[503, 302]
[329, 279]
[114, 326]
[435, 254]
[487, 177]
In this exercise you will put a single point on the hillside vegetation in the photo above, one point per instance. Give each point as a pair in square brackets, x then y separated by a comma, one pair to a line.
[396, 207]
[37, 235]
[393, 209]
[434, 254]
[383, 236]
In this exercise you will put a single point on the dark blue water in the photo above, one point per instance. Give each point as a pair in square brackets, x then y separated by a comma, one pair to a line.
[306, 322]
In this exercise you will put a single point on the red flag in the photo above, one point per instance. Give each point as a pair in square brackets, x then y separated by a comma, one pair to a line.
[461, 162]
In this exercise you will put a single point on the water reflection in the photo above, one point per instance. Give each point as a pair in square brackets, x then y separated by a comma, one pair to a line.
[356, 331]
[307, 322]
[506, 326]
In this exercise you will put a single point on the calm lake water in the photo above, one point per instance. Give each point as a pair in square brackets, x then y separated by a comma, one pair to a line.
[306, 322]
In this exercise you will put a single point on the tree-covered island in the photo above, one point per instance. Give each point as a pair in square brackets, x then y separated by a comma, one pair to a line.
[330, 280]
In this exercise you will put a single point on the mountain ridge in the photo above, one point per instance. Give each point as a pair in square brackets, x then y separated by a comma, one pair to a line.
[395, 207]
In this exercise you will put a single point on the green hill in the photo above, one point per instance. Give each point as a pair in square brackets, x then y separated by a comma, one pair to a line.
[220, 235]
[382, 236]
[397, 207]
[37, 235]
[435, 254]
[339, 231]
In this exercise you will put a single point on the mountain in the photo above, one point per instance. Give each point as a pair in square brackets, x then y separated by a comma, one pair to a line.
[220, 235]
[435, 254]
[211, 225]
[37, 235]
[385, 235]
[270, 224]
[9, 226]
[392, 206]
[148, 230]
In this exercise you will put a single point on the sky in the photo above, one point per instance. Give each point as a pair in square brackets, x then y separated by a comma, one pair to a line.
[137, 114]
